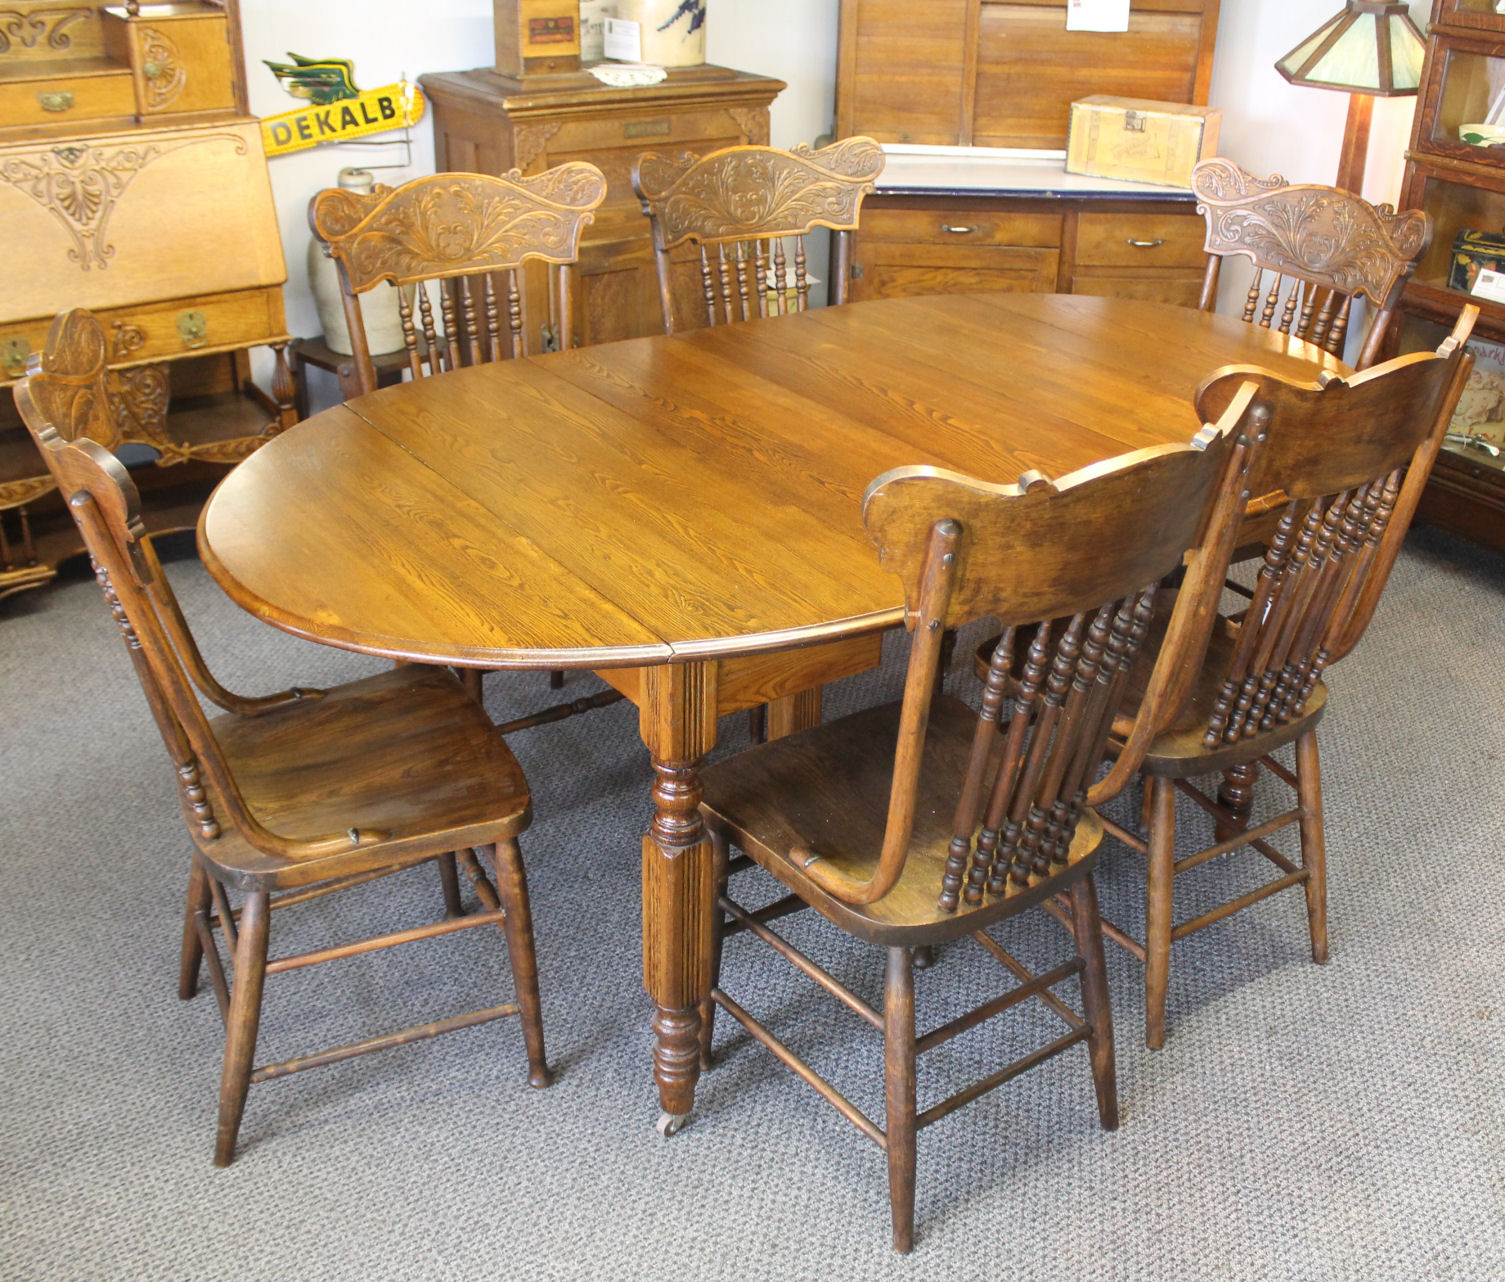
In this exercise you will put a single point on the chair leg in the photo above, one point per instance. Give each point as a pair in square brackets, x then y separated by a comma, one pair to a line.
[512, 886]
[245, 1019]
[899, 1092]
[718, 923]
[1236, 794]
[449, 879]
[193, 950]
[1313, 845]
[1157, 946]
[1088, 929]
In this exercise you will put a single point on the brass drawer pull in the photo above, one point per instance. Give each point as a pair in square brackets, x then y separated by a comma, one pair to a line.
[957, 231]
[1144, 244]
[58, 101]
[193, 328]
[13, 354]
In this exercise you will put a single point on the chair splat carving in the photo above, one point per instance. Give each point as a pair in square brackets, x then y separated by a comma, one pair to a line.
[1314, 249]
[749, 209]
[455, 246]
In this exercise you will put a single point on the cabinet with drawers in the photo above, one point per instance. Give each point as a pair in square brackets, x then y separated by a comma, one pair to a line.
[488, 123]
[133, 183]
[971, 224]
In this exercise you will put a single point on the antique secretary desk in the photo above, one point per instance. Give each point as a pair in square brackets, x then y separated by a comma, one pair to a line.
[133, 182]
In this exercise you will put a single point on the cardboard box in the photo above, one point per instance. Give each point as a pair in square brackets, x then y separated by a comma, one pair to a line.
[1140, 141]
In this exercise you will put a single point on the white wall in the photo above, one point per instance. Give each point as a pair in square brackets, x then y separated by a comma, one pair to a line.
[1268, 125]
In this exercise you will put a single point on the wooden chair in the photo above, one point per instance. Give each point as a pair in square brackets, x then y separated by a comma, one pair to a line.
[461, 244]
[293, 794]
[460, 248]
[975, 818]
[749, 209]
[1322, 247]
[1347, 460]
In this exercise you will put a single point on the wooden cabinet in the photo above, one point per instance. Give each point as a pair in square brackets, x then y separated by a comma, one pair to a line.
[488, 123]
[1462, 186]
[1009, 235]
[133, 183]
[1004, 73]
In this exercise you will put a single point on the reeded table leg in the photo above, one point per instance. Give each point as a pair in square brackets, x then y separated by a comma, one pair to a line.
[678, 722]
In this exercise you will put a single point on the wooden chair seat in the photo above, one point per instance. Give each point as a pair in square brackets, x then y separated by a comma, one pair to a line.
[825, 791]
[407, 754]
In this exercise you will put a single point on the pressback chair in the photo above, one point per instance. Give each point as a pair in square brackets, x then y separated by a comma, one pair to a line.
[1314, 249]
[457, 247]
[1348, 459]
[294, 794]
[923, 821]
[748, 210]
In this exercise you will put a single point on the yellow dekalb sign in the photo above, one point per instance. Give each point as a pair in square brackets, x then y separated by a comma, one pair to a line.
[373, 111]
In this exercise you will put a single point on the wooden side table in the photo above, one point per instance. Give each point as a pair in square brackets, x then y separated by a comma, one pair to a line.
[316, 352]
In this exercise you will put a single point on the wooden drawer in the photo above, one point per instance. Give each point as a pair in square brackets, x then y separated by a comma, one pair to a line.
[1179, 285]
[970, 227]
[151, 332]
[180, 61]
[61, 98]
[1141, 240]
[648, 129]
[882, 270]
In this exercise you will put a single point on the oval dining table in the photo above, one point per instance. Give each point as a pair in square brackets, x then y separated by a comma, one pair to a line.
[682, 515]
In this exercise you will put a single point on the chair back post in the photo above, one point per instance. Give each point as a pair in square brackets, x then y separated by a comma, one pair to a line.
[1079, 550]
[1323, 246]
[460, 232]
[743, 203]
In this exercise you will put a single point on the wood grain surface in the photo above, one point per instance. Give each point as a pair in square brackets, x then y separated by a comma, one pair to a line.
[688, 496]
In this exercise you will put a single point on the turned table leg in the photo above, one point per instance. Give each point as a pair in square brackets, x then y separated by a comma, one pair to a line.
[678, 722]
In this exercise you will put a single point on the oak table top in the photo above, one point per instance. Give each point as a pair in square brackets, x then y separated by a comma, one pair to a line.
[682, 514]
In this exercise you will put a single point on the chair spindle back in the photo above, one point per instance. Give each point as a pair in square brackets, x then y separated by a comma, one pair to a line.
[1090, 549]
[1349, 457]
[749, 209]
[454, 246]
[1314, 249]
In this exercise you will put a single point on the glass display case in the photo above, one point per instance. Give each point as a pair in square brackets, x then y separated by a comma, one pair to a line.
[1455, 171]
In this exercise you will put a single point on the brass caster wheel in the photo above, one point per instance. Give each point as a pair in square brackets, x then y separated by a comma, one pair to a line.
[670, 1124]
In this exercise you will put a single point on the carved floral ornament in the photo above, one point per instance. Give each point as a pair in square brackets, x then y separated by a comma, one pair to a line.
[1309, 230]
[474, 223]
[80, 185]
[38, 26]
[163, 64]
[735, 193]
